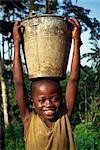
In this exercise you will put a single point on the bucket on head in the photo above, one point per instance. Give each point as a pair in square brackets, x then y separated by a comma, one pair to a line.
[47, 42]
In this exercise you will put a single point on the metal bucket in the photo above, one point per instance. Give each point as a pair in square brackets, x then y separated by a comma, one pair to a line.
[46, 45]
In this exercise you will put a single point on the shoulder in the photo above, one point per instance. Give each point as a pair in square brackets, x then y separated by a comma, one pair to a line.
[27, 121]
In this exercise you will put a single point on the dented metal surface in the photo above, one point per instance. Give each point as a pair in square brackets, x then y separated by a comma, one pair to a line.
[47, 44]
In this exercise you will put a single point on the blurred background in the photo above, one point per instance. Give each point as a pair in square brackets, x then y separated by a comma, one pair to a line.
[86, 115]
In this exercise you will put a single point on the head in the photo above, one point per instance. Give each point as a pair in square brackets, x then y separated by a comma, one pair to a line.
[46, 98]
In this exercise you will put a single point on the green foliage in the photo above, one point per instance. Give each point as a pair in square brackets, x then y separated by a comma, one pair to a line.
[86, 136]
[39, 6]
[86, 129]
[14, 137]
[9, 8]
[63, 84]
[88, 88]
[14, 134]
[94, 56]
[86, 133]
[74, 11]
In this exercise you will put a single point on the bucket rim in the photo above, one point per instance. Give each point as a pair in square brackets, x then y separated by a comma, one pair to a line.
[43, 15]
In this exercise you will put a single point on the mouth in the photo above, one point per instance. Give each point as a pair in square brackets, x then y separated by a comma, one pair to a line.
[50, 112]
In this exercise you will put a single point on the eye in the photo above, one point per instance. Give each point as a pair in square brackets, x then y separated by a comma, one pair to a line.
[54, 98]
[41, 100]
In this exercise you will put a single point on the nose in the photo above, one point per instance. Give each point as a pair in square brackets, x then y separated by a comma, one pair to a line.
[48, 103]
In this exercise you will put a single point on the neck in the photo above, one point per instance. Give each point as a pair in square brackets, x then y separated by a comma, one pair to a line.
[49, 123]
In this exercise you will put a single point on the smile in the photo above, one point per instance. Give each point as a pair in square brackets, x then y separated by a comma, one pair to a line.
[50, 112]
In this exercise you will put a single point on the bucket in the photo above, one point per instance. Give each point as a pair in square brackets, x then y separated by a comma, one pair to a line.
[46, 45]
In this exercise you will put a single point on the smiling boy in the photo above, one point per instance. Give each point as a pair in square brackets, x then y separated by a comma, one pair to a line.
[48, 128]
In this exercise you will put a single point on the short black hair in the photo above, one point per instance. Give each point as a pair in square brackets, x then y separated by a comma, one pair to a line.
[41, 80]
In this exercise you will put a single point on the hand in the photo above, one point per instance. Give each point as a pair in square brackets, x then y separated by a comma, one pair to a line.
[76, 32]
[16, 33]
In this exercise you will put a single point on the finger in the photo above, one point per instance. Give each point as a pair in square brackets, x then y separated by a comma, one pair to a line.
[74, 22]
[17, 24]
[17, 28]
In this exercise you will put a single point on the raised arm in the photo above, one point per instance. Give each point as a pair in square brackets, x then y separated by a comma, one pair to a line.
[72, 85]
[18, 78]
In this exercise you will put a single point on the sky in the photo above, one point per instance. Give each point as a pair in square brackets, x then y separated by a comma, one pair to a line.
[94, 6]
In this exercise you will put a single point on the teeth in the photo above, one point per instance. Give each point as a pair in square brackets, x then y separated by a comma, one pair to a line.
[49, 112]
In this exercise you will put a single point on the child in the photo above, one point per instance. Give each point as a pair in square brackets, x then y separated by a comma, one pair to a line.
[48, 128]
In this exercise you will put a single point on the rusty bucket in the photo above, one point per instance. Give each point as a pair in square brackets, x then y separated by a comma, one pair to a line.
[46, 44]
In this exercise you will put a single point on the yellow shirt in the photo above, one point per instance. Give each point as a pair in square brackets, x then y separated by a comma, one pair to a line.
[40, 137]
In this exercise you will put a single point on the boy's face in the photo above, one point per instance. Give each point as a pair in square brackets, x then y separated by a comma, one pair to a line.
[46, 99]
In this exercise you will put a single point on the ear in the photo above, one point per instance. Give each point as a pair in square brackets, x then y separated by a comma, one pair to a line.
[33, 105]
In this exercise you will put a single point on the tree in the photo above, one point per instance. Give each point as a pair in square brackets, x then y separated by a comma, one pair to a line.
[94, 56]
[4, 95]
[10, 11]
[6, 26]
